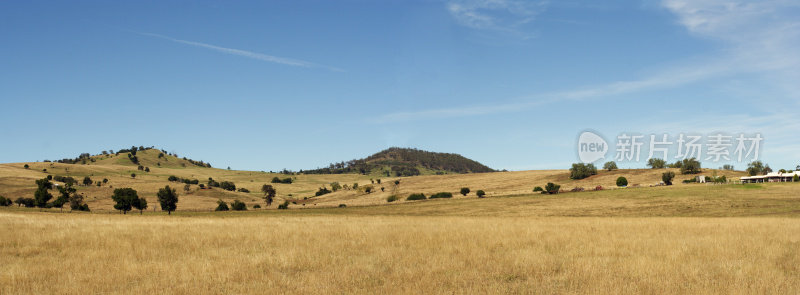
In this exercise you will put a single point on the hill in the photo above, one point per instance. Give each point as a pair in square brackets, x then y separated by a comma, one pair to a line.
[399, 162]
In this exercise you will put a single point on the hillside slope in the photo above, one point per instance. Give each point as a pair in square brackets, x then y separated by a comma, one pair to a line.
[399, 162]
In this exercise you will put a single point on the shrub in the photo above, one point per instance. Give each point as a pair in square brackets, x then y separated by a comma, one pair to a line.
[238, 206]
[222, 206]
[335, 186]
[256, 206]
[392, 198]
[690, 180]
[368, 188]
[87, 181]
[321, 191]
[342, 206]
[551, 188]
[26, 166]
[577, 189]
[172, 178]
[609, 166]
[582, 170]
[796, 178]
[287, 180]
[667, 177]
[480, 193]
[227, 185]
[598, 188]
[464, 191]
[5, 202]
[133, 175]
[414, 197]
[538, 189]
[442, 195]
[285, 205]
[622, 181]
[243, 190]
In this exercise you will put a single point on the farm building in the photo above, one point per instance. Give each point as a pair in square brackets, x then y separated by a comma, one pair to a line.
[771, 177]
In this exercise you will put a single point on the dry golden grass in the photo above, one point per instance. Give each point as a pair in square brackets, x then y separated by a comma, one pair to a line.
[319, 253]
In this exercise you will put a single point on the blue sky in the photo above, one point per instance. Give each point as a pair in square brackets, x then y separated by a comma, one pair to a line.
[267, 85]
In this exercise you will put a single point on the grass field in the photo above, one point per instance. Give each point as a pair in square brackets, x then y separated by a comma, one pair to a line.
[686, 238]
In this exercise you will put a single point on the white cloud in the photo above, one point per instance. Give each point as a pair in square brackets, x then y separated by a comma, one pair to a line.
[501, 15]
[758, 37]
[248, 54]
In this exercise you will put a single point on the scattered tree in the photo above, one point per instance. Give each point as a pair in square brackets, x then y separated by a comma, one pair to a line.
[168, 199]
[480, 193]
[582, 170]
[87, 181]
[656, 163]
[227, 185]
[42, 195]
[610, 166]
[622, 181]
[464, 191]
[124, 198]
[238, 206]
[690, 166]
[140, 204]
[538, 189]
[755, 168]
[5, 202]
[222, 206]
[26, 166]
[552, 188]
[269, 193]
[667, 177]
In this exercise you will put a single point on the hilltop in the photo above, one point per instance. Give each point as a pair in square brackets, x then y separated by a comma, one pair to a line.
[399, 162]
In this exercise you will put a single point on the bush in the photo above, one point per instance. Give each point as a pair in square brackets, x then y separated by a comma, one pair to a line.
[243, 190]
[342, 206]
[667, 177]
[598, 188]
[690, 180]
[581, 171]
[480, 193]
[609, 166]
[323, 190]
[172, 178]
[442, 195]
[239, 206]
[622, 181]
[26, 166]
[538, 189]
[796, 178]
[5, 202]
[551, 188]
[133, 175]
[285, 205]
[414, 197]
[87, 181]
[227, 185]
[335, 186]
[287, 180]
[222, 206]
[256, 206]
[392, 198]
[465, 191]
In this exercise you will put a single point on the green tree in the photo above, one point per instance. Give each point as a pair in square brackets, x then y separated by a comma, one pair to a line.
[480, 193]
[464, 191]
[610, 166]
[140, 204]
[656, 163]
[667, 177]
[124, 198]
[690, 166]
[622, 181]
[66, 191]
[755, 168]
[26, 166]
[582, 170]
[168, 199]
[552, 188]
[269, 193]
[87, 181]
[238, 206]
[42, 195]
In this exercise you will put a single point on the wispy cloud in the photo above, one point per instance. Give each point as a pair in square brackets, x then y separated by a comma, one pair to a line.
[762, 37]
[499, 15]
[247, 54]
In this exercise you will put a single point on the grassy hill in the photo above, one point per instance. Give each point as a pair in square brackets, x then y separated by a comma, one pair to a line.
[406, 162]
[18, 181]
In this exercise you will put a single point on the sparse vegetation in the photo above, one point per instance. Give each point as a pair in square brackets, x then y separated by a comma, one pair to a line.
[442, 195]
[392, 198]
[415, 197]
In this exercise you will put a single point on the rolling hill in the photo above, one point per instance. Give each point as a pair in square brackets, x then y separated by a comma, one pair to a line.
[399, 162]
[18, 181]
